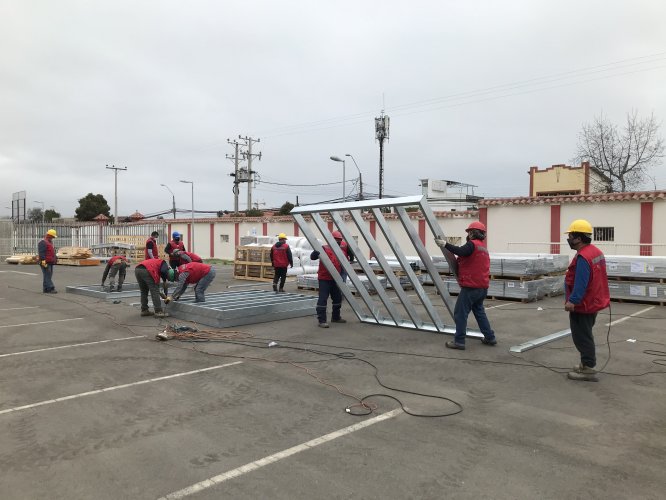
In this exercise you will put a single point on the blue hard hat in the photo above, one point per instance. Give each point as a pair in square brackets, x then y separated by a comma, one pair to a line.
[176, 234]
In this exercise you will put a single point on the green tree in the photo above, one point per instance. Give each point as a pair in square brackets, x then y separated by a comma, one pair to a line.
[35, 215]
[286, 208]
[51, 214]
[254, 212]
[90, 206]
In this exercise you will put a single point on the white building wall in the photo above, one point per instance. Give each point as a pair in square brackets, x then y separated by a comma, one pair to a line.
[515, 228]
[659, 225]
[624, 217]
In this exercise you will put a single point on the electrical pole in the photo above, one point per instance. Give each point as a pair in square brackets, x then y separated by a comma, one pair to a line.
[381, 134]
[115, 203]
[235, 175]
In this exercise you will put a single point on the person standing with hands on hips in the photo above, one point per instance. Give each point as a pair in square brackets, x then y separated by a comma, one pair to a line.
[586, 293]
[280, 259]
[47, 259]
[474, 280]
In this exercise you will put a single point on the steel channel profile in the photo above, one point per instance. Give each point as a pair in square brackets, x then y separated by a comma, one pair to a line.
[334, 210]
[129, 290]
[532, 344]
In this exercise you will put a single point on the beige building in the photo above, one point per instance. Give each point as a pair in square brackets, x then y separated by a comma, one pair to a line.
[565, 180]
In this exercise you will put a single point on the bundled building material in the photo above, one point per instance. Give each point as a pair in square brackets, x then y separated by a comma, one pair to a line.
[526, 290]
[22, 259]
[74, 253]
[636, 266]
[527, 264]
[307, 281]
[638, 290]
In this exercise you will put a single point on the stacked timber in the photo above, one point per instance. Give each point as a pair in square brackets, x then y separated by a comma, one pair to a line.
[23, 258]
[253, 263]
[76, 256]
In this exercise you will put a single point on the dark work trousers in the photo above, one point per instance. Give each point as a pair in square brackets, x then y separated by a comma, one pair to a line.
[121, 271]
[280, 276]
[202, 285]
[326, 288]
[47, 282]
[471, 299]
[581, 333]
[148, 285]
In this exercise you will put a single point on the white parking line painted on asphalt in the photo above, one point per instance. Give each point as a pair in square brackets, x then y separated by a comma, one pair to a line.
[19, 272]
[630, 316]
[252, 466]
[500, 305]
[115, 387]
[70, 345]
[41, 322]
[18, 308]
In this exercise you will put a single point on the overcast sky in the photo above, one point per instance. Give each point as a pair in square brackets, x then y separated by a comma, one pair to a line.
[477, 92]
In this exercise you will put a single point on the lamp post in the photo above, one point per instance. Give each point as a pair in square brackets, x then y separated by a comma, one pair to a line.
[191, 242]
[173, 200]
[360, 178]
[344, 192]
[35, 201]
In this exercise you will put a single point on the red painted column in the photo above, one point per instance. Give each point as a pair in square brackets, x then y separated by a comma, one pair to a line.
[555, 228]
[422, 230]
[189, 235]
[236, 234]
[212, 240]
[373, 233]
[264, 229]
[168, 236]
[646, 228]
[483, 219]
[296, 228]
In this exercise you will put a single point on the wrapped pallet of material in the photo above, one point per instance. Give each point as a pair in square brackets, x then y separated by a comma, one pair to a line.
[635, 266]
[367, 284]
[308, 281]
[527, 264]
[636, 290]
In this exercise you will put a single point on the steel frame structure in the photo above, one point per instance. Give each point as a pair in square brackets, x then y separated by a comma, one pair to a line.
[369, 310]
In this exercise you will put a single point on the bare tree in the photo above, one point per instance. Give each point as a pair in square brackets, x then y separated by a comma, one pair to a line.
[624, 156]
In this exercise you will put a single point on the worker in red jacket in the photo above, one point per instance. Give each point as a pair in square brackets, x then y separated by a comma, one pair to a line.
[327, 285]
[151, 251]
[186, 257]
[148, 275]
[172, 246]
[280, 258]
[117, 265]
[195, 273]
[47, 259]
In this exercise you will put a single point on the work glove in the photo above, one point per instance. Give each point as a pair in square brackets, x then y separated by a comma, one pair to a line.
[44, 264]
[163, 295]
[440, 242]
[168, 299]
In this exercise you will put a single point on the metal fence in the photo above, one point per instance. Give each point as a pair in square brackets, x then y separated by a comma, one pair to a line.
[17, 238]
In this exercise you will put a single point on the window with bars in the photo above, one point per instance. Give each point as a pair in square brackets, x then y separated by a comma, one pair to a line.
[224, 238]
[604, 234]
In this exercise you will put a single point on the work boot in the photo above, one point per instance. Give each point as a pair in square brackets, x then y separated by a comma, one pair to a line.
[323, 325]
[161, 314]
[584, 373]
[453, 345]
[119, 289]
[489, 342]
[147, 313]
[339, 320]
[275, 288]
[281, 290]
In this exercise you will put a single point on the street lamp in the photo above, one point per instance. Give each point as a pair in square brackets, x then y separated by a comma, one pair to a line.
[173, 199]
[360, 178]
[344, 193]
[35, 201]
[191, 242]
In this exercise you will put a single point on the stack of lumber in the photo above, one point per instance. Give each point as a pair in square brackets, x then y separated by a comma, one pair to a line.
[23, 259]
[76, 256]
[253, 263]
[135, 246]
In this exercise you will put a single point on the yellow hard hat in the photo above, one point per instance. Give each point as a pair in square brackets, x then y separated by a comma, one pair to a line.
[52, 232]
[282, 236]
[579, 226]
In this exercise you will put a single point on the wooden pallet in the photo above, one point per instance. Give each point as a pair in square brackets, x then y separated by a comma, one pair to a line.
[78, 262]
[253, 255]
[641, 279]
[253, 271]
[638, 301]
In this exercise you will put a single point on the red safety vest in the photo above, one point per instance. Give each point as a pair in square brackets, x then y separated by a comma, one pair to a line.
[344, 247]
[175, 246]
[195, 270]
[193, 256]
[323, 273]
[115, 258]
[153, 266]
[279, 255]
[156, 252]
[50, 252]
[474, 270]
[597, 295]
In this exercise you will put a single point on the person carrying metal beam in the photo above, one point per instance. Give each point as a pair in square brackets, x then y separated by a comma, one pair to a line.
[148, 274]
[586, 293]
[280, 258]
[117, 265]
[327, 285]
[474, 280]
[194, 273]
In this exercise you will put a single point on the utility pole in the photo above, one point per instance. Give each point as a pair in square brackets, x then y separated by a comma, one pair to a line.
[381, 134]
[115, 203]
[235, 175]
[243, 174]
